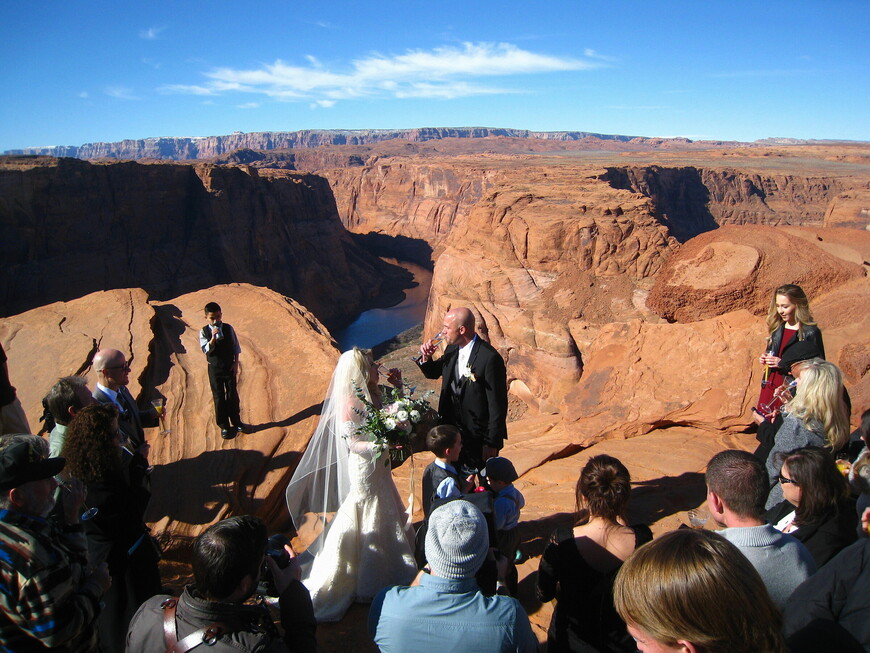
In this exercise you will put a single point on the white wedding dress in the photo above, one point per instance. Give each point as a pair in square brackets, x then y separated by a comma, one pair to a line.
[365, 546]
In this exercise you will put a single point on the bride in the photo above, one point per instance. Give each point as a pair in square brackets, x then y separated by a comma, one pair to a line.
[344, 481]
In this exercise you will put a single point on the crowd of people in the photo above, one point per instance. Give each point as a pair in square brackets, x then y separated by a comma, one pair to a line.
[782, 571]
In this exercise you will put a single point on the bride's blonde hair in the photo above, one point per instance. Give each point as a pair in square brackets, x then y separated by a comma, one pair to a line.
[354, 371]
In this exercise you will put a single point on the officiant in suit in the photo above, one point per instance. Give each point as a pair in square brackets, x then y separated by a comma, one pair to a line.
[113, 375]
[473, 387]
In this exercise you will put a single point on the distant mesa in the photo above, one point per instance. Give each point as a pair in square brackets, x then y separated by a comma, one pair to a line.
[208, 147]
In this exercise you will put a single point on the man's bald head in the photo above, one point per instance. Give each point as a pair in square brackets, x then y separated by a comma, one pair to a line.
[458, 326]
[111, 368]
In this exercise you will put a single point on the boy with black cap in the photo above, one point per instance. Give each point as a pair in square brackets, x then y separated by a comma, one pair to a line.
[501, 474]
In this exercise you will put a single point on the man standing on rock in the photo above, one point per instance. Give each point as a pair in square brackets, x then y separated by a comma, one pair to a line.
[113, 375]
[473, 387]
[220, 345]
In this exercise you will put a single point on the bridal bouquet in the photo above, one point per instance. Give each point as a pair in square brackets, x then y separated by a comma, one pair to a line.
[393, 426]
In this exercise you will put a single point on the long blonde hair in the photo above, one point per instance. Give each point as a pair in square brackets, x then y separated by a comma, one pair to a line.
[696, 586]
[802, 313]
[819, 402]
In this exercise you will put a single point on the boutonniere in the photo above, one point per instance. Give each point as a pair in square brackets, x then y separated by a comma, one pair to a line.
[466, 373]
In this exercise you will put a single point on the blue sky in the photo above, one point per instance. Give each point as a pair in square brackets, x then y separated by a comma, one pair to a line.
[84, 71]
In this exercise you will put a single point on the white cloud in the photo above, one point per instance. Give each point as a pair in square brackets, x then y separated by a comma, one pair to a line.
[151, 34]
[443, 72]
[248, 105]
[120, 92]
[322, 104]
[592, 54]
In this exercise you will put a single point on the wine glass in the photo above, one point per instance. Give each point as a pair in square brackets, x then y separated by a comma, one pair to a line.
[777, 395]
[89, 513]
[436, 339]
[159, 404]
[698, 517]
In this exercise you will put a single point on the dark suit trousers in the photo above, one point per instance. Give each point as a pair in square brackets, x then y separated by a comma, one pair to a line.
[226, 397]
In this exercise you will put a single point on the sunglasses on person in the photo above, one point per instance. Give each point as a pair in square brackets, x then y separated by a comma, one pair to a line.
[784, 480]
[125, 367]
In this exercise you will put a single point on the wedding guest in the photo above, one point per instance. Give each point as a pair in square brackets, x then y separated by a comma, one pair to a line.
[117, 534]
[736, 490]
[441, 480]
[831, 610]
[65, 399]
[227, 562]
[445, 610]
[113, 376]
[48, 599]
[473, 387]
[817, 416]
[12, 417]
[579, 565]
[509, 501]
[789, 321]
[692, 591]
[817, 509]
[219, 343]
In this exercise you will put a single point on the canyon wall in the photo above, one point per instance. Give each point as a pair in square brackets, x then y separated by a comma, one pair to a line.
[70, 228]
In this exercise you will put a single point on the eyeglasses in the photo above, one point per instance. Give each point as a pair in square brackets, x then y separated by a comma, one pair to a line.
[125, 367]
[786, 481]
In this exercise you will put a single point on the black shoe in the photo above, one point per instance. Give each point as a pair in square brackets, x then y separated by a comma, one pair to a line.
[244, 428]
[228, 434]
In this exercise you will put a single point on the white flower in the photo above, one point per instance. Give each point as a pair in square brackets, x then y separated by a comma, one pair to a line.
[466, 373]
[392, 408]
[390, 423]
[415, 416]
[402, 415]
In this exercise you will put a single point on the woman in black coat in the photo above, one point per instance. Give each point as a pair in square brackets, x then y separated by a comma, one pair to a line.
[817, 508]
[116, 481]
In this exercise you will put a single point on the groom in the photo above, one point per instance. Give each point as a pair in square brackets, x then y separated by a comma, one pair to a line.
[473, 387]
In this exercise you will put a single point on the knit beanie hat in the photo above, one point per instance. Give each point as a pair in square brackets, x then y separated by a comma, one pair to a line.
[457, 540]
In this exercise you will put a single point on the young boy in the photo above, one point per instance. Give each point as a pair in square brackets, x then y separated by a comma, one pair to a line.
[441, 480]
[221, 347]
[500, 474]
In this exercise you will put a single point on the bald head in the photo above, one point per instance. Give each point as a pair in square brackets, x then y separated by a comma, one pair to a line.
[111, 368]
[458, 326]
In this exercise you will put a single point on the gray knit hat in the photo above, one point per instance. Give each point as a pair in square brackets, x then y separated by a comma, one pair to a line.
[457, 540]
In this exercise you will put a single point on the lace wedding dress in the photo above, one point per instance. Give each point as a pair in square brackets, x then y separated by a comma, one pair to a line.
[346, 482]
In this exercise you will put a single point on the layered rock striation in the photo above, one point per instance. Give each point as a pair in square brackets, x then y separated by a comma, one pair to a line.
[70, 228]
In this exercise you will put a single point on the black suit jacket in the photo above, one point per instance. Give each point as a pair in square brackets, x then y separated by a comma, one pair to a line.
[826, 538]
[132, 422]
[480, 410]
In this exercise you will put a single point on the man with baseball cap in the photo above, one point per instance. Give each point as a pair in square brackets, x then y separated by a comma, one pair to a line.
[445, 609]
[48, 600]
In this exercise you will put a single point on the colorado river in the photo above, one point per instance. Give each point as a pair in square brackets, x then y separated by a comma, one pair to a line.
[379, 324]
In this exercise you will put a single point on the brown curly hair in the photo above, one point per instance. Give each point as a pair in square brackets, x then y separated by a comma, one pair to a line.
[90, 449]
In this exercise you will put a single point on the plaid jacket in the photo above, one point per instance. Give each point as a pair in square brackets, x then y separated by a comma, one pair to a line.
[43, 604]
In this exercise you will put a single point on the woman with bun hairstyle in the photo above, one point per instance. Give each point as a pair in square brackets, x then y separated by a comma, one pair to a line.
[789, 320]
[817, 416]
[692, 591]
[579, 565]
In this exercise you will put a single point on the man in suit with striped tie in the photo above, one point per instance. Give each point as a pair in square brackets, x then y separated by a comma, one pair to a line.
[113, 375]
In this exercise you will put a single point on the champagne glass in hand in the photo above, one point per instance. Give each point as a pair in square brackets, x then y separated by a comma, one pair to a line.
[159, 405]
[433, 342]
[698, 517]
[89, 513]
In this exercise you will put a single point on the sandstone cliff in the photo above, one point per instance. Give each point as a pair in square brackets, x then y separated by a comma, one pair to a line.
[71, 227]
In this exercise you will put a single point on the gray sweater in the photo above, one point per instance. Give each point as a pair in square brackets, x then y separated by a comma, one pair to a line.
[780, 559]
[791, 435]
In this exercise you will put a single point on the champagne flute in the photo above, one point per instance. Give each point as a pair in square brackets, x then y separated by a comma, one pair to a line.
[159, 404]
[764, 381]
[89, 513]
[777, 395]
[435, 341]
